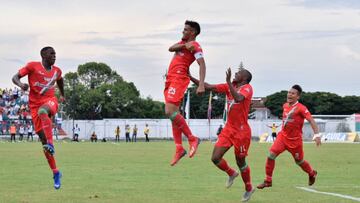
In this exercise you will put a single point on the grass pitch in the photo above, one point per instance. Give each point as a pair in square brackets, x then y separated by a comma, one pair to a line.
[140, 172]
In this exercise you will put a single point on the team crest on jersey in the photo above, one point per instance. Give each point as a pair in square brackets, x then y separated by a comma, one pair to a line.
[172, 90]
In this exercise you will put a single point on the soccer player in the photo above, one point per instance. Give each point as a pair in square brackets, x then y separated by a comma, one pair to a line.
[177, 81]
[43, 104]
[290, 137]
[237, 131]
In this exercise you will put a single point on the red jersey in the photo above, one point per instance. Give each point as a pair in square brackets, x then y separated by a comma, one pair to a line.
[237, 112]
[41, 81]
[180, 63]
[293, 121]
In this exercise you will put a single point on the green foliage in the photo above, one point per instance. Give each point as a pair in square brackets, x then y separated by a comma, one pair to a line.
[324, 103]
[274, 102]
[95, 91]
[199, 104]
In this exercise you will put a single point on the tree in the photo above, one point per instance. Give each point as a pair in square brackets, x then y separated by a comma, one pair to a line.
[199, 104]
[95, 91]
[94, 74]
[324, 103]
[275, 101]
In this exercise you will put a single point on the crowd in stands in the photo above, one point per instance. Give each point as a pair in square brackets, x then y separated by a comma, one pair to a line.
[14, 109]
[15, 116]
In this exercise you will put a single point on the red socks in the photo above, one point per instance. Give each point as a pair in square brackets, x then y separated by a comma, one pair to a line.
[179, 122]
[222, 165]
[269, 168]
[46, 125]
[177, 135]
[305, 166]
[47, 128]
[245, 175]
[51, 161]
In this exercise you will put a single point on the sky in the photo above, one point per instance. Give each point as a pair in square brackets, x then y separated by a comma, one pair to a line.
[314, 43]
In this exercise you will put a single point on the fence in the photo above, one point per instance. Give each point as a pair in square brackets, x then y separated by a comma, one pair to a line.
[161, 128]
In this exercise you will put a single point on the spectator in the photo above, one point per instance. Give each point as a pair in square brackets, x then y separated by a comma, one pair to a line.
[30, 133]
[146, 132]
[93, 137]
[1, 120]
[135, 129]
[76, 131]
[58, 120]
[21, 132]
[117, 134]
[127, 133]
[55, 132]
[273, 130]
[219, 130]
[12, 132]
[26, 130]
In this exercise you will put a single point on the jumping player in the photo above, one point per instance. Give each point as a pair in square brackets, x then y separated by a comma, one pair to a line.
[237, 131]
[177, 81]
[290, 137]
[43, 104]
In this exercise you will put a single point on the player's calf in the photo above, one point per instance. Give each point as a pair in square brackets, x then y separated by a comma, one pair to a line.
[49, 148]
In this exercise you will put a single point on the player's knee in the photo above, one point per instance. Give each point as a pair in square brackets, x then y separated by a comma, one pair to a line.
[272, 156]
[168, 113]
[42, 111]
[299, 162]
[171, 115]
[215, 159]
[241, 162]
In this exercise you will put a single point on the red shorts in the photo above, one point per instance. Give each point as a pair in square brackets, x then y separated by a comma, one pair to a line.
[52, 103]
[239, 139]
[174, 90]
[294, 147]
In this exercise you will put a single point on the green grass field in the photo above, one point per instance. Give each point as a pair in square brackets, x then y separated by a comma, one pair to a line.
[140, 172]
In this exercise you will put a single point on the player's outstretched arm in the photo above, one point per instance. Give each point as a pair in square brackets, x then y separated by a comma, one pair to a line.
[202, 73]
[60, 84]
[314, 126]
[16, 80]
[207, 86]
[176, 47]
[237, 97]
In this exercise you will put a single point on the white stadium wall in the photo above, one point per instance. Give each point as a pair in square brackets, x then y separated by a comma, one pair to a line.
[161, 128]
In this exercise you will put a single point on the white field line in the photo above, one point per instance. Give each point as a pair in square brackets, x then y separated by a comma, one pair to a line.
[330, 193]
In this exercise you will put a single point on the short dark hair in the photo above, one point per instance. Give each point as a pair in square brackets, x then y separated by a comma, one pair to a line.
[248, 75]
[194, 25]
[298, 88]
[45, 49]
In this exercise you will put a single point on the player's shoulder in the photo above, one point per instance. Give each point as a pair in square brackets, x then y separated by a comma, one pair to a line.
[33, 63]
[56, 67]
[301, 106]
[196, 43]
[247, 87]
